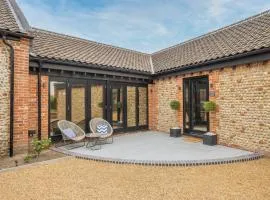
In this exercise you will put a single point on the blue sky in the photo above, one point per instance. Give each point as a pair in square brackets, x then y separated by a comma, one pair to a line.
[142, 25]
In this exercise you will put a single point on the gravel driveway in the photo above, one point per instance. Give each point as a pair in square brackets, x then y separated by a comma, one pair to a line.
[70, 178]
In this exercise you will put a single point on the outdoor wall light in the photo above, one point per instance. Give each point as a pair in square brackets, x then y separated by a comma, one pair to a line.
[31, 132]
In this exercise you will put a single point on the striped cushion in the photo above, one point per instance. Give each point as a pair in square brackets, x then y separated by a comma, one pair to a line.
[102, 129]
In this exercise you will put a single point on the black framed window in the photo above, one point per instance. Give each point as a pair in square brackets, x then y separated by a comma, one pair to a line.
[196, 92]
[124, 105]
[57, 104]
[131, 106]
[77, 103]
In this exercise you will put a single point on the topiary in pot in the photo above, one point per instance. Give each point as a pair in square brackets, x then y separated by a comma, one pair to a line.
[175, 105]
[209, 106]
[100, 104]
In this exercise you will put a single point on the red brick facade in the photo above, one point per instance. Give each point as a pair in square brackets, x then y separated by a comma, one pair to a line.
[25, 100]
[33, 104]
[21, 95]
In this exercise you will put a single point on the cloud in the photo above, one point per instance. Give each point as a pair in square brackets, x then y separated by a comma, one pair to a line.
[137, 24]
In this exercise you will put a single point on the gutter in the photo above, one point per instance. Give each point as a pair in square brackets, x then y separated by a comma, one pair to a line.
[11, 125]
[88, 65]
[247, 57]
[15, 34]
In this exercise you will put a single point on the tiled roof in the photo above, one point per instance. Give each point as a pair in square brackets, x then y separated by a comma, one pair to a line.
[8, 21]
[11, 17]
[62, 47]
[244, 36]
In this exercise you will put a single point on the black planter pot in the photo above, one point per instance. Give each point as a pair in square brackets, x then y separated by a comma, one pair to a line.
[56, 138]
[175, 132]
[209, 139]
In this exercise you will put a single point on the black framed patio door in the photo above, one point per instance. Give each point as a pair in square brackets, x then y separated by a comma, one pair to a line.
[124, 105]
[196, 92]
[84, 100]
[127, 106]
[117, 105]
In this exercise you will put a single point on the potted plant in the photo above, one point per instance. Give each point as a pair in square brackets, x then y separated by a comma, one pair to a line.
[209, 106]
[175, 131]
[175, 105]
[209, 138]
[100, 104]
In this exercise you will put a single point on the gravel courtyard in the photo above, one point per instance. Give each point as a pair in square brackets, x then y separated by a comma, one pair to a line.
[70, 178]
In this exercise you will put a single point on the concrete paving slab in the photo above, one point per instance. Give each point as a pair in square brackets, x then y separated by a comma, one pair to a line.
[157, 146]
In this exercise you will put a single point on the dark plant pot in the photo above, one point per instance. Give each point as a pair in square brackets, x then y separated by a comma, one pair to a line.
[175, 132]
[209, 139]
[56, 138]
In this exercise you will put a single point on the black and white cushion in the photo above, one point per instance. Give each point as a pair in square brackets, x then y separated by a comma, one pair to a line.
[102, 129]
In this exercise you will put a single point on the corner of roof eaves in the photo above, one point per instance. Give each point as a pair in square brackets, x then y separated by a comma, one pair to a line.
[18, 15]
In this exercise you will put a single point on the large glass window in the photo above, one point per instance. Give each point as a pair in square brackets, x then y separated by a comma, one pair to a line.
[97, 103]
[142, 105]
[78, 104]
[57, 105]
[117, 107]
[186, 104]
[131, 106]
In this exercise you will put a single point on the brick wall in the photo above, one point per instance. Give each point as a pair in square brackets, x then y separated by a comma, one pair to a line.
[21, 95]
[242, 93]
[33, 105]
[4, 99]
[152, 106]
[167, 90]
[25, 99]
[244, 105]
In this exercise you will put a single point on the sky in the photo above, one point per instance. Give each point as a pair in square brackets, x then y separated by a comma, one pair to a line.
[142, 25]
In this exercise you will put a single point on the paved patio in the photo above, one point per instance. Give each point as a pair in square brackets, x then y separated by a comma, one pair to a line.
[156, 147]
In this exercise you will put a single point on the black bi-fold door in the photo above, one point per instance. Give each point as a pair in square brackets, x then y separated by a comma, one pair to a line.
[124, 105]
[196, 92]
[127, 106]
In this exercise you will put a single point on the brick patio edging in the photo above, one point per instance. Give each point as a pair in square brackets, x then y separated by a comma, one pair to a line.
[183, 163]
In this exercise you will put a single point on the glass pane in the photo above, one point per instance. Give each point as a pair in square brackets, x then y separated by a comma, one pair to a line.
[131, 106]
[97, 103]
[187, 105]
[78, 104]
[57, 105]
[200, 96]
[117, 107]
[142, 105]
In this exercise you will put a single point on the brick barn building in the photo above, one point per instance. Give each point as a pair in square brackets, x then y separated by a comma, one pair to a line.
[46, 77]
